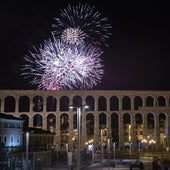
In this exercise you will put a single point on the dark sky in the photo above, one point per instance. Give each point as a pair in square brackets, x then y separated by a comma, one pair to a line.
[137, 58]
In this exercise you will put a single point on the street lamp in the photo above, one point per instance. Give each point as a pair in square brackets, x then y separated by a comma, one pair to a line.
[27, 141]
[27, 150]
[78, 131]
[108, 151]
[151, 142]
[148, 142]
[90, 149]
[114, 147]
[101, 137]
[144, 141]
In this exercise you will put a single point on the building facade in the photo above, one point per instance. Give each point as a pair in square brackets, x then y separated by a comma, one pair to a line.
[14, 140]
[11, 131]
[11, 139]
[129, 118]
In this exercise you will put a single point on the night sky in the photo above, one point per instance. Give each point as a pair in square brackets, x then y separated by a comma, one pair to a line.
[137, 57]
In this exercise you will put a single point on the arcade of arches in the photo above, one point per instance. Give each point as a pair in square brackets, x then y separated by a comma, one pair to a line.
[127, 117]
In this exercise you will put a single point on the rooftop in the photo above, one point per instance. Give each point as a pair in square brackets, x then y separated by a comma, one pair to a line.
[8, 117]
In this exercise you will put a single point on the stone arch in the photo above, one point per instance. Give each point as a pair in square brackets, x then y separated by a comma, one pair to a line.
[150, 125]
[126, 118]
[137, 102]
[37, 121]
[9, 103]
[74, 137]
[127, 129]
[103, 128]
[37, 104]
[149, 101]
[24, 104]
[139, 128]
[51, 104]
[102, 120]
[162, 129]
[138, 118]
[51, 123]
[114, 103]
[64, 103]
[126, 103]
[115, 127]
[64, 128]
[102, 103]
[155, 100]
[90, 125]
[77, 102]
[75, 121]
[161, 101]
[90, 103]
[26, 120]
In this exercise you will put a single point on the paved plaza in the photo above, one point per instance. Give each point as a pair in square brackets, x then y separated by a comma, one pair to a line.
[104, 166]
[118, 166]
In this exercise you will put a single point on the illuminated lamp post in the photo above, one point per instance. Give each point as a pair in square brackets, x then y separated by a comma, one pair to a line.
[27, 140]
[78, 131]
[101, 138]
[148, 142]
[114, 147]
[90, 148]
[108, 151]
[144, 141]
[27, 150]
[151, 142]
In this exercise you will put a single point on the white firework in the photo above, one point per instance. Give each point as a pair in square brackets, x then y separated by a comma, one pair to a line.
[58, 66]
[81, 23]
[73, 36]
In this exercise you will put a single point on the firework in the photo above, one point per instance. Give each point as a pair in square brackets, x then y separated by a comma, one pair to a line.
[81, 23]
[59, 66]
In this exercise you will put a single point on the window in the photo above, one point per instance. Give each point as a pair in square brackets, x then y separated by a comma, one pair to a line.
[6, 125]
[5, 139]
[18, 139]
[12, 138]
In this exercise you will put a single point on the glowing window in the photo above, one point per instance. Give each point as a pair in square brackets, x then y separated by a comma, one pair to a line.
[18, 139]
[12, 138]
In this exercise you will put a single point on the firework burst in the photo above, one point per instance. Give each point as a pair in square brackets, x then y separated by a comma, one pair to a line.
[60, 66]
[82, 23]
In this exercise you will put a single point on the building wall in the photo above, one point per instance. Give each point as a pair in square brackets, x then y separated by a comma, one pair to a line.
[11, 133]
[151, 106]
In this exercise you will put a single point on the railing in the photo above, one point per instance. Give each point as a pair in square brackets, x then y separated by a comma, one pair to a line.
[11, 149]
